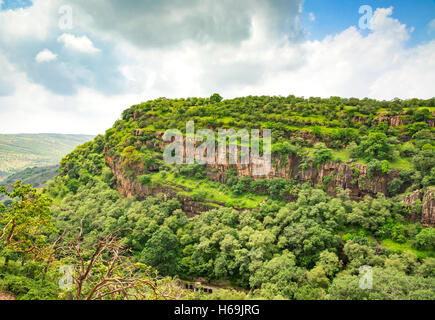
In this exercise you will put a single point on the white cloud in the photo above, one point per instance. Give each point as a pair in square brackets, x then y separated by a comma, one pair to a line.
[377, 65]
[81, 44]
[311, 16]
[34, 22]
[45, 56]
[349, 64]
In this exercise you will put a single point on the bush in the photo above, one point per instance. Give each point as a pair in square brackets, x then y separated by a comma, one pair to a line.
[425, 239]
[216, 98]
[322, 155]
[375, 146]
[394, 186]
[376, 166]
[144, 179]
[195, 170]
[422, 115]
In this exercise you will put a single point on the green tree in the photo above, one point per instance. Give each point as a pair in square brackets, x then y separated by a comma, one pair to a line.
[162, 251]
[329, 262]
[25, 223]
[425, 239]
[216, 98]
[278, 277]
[375, 145]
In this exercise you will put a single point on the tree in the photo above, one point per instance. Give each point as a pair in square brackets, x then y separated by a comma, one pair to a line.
[375, 145]
[424, 161]
[278, 277]
[25, 223]
[422, 115]
[329, 262]
[427, 268]
[322, 155]
[216, 98]
[317, 278]
[388, 284]
[162, 251]
[425, 239]
[394, 186]
[104, 270]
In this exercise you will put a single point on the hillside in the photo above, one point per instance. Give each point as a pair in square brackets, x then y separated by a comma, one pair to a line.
[351, 184]
[20, 151]
[37, 177]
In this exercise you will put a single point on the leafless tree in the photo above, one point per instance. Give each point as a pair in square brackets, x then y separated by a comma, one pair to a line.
[105, 271]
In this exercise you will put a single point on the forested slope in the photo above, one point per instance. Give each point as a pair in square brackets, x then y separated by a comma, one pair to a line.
[351, 185]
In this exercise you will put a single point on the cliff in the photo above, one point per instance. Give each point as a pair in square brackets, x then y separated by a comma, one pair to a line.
[422, 206]
[129, 187]
[351, 176]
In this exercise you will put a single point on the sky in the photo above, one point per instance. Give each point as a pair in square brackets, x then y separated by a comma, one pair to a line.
[74, 66]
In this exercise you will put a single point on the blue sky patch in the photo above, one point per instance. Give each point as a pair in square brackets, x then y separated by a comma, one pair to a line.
[332, 17]
[15, 4]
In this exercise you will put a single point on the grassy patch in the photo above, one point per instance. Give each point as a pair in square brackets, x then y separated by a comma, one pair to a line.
[400, 247]
[213, 191]
[343, 155]
[401, 163]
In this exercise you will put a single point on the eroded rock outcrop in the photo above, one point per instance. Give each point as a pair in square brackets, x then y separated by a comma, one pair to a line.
[129, 187]
[422, 206]
[351, 176]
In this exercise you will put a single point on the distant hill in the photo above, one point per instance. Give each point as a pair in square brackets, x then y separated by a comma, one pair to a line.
[36, 176]
[21, 151]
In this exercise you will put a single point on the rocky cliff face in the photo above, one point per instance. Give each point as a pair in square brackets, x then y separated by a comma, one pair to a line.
[128, 187]
[351, 176]
[422, 206]
[428, 208]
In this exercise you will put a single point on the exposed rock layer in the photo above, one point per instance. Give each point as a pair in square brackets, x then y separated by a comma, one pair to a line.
[425, 209]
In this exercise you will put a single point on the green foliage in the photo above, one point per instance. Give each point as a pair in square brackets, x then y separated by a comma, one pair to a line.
[277, 278]
[376, 167]
[216, 98]
[288, 246]
[162, 251]
[144, 179]
[388, 284]
[394, 186]
[29, 282]
[413, 128]
[425, 239]
[25, 223]
[322, 155]
[375, 146]
[193, 170]
[422, 115]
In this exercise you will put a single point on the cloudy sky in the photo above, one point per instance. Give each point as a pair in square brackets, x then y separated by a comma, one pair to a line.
[73, 66]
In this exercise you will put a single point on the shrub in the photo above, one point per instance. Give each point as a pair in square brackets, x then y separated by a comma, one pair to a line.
[322, 155]
[144, 179]
[394, 186]
[375, 146]
[425, 239]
